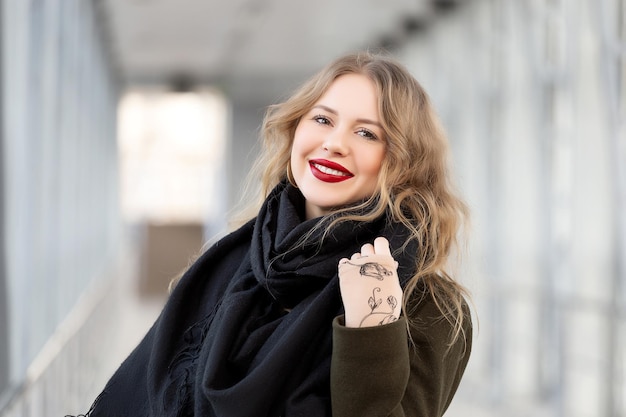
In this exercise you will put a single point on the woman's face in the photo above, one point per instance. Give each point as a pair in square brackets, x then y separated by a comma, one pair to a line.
[339, 146]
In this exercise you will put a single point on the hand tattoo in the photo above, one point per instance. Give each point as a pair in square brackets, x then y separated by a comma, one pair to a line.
[374, 303]
[357, 273]
[373, 270]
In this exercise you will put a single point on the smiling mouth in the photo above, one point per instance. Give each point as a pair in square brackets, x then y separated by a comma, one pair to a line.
[328, 171]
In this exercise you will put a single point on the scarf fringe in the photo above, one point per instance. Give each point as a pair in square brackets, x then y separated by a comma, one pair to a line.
[182, 363]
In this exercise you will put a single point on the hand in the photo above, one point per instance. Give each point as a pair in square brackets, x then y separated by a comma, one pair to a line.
[370, 287]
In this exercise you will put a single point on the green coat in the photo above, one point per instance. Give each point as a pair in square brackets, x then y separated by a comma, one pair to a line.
[392, 376]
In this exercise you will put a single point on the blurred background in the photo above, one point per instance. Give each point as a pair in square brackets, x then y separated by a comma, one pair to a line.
[127, 127]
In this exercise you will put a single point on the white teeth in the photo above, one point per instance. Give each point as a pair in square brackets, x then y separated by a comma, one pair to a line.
[330, 171]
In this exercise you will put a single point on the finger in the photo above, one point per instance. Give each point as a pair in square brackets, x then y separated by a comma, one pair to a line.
[381, 246]
[355, 256]
[367, 249]
[343, 261]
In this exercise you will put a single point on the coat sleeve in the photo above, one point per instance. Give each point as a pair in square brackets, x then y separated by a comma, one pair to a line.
[377, 371]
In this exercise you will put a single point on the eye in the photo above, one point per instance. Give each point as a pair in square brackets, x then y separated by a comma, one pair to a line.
[322, 120]
[367, 134]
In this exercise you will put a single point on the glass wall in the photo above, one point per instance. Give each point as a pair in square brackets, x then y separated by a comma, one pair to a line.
[59, 171]
[533, 94]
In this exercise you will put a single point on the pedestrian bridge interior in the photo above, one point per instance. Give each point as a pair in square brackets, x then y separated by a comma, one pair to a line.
[127, 129]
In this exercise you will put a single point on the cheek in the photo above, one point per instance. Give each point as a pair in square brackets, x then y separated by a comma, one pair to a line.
[297, 143]
[298, 152]
[302, 145]
[374, 162]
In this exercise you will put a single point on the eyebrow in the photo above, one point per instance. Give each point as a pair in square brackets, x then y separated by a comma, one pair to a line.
[360, 120]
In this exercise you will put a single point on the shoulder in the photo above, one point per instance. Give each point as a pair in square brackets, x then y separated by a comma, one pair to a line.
[235, 241]
[223, 255]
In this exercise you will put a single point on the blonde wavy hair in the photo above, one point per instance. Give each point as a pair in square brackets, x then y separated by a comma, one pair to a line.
[414, 183]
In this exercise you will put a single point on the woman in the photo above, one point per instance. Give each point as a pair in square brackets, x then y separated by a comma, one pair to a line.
[333, 299]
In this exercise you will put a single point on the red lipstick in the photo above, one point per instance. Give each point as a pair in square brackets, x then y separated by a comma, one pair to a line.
[329, 171]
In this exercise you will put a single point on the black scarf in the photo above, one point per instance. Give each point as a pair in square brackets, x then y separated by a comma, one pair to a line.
[247, 331]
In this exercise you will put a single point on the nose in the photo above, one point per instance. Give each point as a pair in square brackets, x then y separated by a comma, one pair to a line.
[336, 142]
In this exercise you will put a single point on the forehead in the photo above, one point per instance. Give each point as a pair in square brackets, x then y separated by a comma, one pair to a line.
[352, 93]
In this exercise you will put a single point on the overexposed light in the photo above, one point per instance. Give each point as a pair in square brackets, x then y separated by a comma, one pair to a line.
[172, 149]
